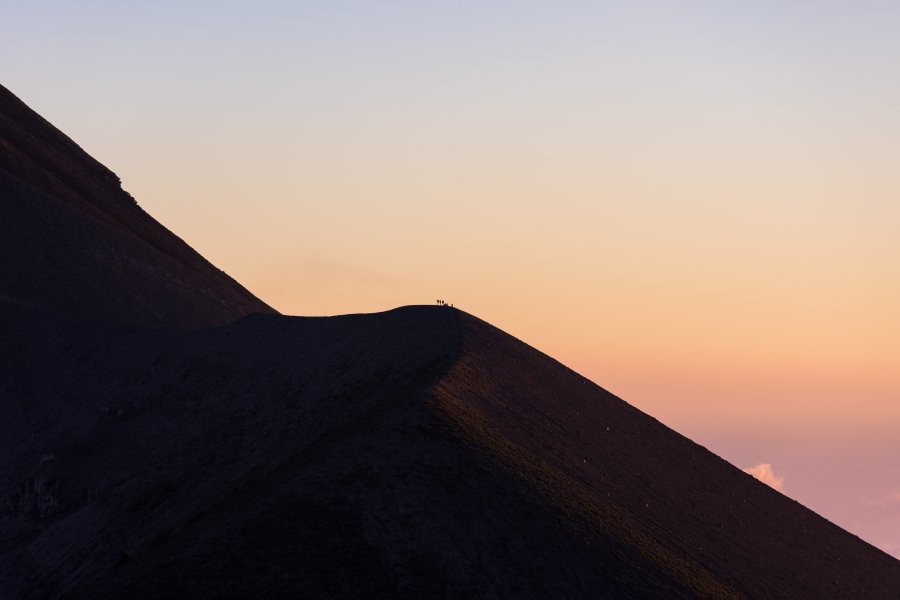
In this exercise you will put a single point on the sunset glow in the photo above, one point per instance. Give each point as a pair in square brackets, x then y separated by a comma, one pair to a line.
[692, 204]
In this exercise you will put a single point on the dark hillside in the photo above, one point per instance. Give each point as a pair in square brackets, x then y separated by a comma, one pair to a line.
[165, 435]
[414, 453]
[615, 469]
[276, 457]
[72, 239]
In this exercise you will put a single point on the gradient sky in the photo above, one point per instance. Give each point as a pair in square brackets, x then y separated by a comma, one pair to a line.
[695, 204]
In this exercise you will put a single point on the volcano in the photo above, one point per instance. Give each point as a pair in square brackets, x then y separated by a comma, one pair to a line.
[165, 434]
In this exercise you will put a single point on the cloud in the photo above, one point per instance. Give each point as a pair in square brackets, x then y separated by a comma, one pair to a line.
[765, 473]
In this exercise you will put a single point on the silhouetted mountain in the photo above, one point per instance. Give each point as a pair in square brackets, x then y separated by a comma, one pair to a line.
[72, 239]
[417, 453]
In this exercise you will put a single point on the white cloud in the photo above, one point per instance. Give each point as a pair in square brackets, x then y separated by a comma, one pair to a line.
[765, 473]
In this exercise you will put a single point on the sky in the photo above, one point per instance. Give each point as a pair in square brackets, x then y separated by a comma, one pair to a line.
[694, 204]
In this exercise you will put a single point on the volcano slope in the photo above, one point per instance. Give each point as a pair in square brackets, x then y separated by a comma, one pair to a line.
[72, 239]
[417, 453]
[153, 447]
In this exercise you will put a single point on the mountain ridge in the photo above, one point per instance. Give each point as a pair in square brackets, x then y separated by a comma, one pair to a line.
[168, 435]
[73, 239]
[390, 455]
[665, 480]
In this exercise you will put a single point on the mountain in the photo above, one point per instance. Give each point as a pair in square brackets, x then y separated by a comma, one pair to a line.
[409, 454]
[416, 453]
[73, 240]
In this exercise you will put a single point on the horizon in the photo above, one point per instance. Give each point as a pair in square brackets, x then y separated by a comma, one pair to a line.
[692, 206]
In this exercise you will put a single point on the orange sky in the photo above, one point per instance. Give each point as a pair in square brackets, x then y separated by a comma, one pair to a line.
[695, 206]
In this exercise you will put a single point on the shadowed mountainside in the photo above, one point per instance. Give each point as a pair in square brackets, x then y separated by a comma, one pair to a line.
[414, 453]
[72, 239]
[153, 447]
